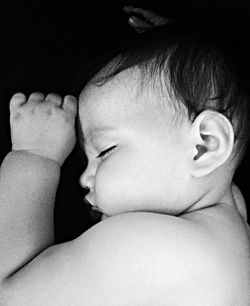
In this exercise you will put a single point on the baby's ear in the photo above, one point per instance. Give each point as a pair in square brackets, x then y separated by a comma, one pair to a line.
[213, 140]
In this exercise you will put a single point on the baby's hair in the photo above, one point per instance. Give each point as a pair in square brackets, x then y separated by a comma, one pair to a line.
[205, 68]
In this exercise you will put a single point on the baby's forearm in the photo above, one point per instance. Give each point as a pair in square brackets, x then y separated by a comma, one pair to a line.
[28, 185]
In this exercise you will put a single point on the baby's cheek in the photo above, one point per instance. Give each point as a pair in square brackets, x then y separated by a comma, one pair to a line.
[111, 189]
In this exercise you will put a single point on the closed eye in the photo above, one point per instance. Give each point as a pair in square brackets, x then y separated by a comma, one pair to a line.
[105, 153]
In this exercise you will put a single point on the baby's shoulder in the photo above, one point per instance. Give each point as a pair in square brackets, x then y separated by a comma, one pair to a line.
[138, 259]
[185, 255]
[228, 234]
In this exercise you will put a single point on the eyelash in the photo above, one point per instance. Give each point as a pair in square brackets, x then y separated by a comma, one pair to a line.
[106, 152]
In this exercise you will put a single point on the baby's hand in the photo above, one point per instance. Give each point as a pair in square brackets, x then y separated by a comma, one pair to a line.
[43, 126]
[141, 20]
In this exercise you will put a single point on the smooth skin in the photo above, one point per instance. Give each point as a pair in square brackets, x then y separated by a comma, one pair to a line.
[131, 258]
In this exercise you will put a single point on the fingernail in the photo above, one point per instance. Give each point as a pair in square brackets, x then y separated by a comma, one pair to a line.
[72, 98]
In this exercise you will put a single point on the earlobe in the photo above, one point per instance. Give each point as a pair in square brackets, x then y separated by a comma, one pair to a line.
[213, 142]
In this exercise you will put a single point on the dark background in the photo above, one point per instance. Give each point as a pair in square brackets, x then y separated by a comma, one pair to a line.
[47, 46]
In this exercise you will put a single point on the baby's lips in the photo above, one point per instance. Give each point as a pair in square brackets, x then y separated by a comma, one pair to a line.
[90, 204]
[93, 211]
[87, 203]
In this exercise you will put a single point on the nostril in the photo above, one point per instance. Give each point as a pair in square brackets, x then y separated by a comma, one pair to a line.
[85, 187]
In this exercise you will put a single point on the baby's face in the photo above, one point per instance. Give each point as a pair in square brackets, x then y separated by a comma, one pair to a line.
[136, 161]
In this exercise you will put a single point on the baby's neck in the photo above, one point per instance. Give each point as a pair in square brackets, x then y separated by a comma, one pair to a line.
[231, 198]
[239, 201]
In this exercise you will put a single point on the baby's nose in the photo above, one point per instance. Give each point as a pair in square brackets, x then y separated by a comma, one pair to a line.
[87, 179]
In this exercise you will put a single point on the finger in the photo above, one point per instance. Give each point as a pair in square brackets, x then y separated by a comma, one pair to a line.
[54, 98]
[36, 97]
[155, 19]
[158, 20]
[70, 103]
[130, 9]
[138, 23]
[149, 15]
[18, 99]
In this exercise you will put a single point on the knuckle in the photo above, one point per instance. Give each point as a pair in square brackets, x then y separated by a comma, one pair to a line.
[17, 95]
[33, 110]
[53, 96]
[53, 99]
[68, 118]
[17, 100]
[70, 102]
[70, 99]
[49, 111]
[16, 117]
[36, 96]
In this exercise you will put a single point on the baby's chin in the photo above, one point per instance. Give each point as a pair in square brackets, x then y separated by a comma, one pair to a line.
[96, 216]
[104, 217]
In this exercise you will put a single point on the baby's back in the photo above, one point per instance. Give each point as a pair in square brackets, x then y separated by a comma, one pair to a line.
[229, 234]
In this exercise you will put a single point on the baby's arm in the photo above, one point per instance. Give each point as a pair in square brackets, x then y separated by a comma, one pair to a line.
[43, 135]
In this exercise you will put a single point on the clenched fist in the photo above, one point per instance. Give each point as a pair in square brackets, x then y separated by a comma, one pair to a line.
[42, 125]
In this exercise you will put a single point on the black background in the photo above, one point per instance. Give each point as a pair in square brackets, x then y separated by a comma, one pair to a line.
[46, 46]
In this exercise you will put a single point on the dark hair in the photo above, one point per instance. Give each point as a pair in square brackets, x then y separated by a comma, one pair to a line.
[206, 68]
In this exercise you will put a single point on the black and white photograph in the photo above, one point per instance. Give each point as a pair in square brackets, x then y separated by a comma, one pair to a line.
[124, 156]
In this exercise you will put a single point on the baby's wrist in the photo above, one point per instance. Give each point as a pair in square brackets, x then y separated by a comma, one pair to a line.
[36, 155]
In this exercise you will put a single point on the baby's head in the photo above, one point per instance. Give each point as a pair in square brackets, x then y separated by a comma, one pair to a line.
[164, 125]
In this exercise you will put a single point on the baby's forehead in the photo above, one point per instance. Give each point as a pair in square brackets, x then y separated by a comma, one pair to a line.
[131, 84]
[120, 89]
[127, 93]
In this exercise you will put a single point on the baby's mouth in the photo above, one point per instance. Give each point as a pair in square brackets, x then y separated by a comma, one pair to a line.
[93, 211]
[90, 205]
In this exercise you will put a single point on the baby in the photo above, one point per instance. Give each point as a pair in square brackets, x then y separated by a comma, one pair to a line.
[164, 127]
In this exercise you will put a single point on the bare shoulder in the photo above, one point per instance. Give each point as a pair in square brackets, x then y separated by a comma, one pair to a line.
[204, 260]
[130, 259]
[229, 233]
